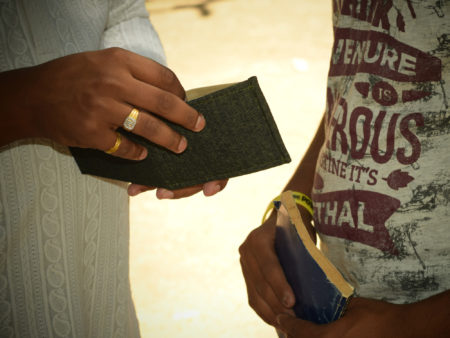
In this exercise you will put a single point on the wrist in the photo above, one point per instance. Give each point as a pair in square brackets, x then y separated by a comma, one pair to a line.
[305, 206]
[303, 202]
[17, 118]
[428, 317]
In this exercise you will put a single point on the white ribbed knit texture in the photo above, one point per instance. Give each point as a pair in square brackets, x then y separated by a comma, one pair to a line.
[64, 236]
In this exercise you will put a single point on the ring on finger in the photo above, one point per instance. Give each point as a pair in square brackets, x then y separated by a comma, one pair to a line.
[116, 145]
[130, 121]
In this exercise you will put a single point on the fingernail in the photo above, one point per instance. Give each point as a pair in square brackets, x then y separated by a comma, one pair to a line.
[133, 190]
[279, 318]
[200, 124]
[182, 145]
[143, 154]
[288, 301]
[210, 190]
[164, 194]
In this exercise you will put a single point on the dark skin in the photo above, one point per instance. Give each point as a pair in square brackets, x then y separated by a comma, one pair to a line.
[271, 297]
[373, 319]
[81, 99]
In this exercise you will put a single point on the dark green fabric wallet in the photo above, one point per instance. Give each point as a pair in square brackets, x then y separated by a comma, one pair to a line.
[240, 137]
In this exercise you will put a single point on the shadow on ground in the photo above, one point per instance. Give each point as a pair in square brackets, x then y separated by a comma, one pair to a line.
[203, 7]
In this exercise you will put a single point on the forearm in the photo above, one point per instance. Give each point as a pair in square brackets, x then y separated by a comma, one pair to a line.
[429, 317]
[17, 118]
[303, 178]
[374, 318]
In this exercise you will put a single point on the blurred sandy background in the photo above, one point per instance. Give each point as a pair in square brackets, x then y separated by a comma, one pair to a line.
[185, 270]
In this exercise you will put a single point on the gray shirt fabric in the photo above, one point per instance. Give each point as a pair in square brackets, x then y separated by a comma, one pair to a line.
[381, 193]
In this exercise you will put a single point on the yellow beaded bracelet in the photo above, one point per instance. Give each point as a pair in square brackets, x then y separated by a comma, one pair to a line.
[300, 199]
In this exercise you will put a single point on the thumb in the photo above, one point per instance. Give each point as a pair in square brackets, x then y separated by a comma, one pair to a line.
[286, 321]
[294, 326]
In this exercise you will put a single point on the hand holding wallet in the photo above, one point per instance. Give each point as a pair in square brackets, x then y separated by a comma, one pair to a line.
[240, 137]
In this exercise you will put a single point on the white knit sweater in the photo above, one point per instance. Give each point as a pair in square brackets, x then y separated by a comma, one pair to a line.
[64, 236]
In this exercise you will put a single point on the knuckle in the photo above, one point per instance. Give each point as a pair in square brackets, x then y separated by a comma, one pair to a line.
[243, 264]
[271, 321]
[114, 58]
[165, 102]
[252, 303]
[267, 269]
[262, 289]
[91, 102]
[244, 249]
[91, 127]
[169, 80]
[151, 127]
[167, 77]
[88, 101]
[191, 120]
[264, 314]
[253, 237]
[112, 85]
[115, 53]
[87, 125]
[241, 250]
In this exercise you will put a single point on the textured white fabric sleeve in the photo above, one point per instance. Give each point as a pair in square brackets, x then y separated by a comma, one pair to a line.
[129, 27]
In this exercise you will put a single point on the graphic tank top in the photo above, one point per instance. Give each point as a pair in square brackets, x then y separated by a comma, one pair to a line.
[382, 187]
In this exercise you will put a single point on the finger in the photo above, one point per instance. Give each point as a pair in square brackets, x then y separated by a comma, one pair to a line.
[149, 127]
[274, 275]
[213, 187]
[155, 74]
[162, 193]
[123, 147]
[113, 115]
[255, 301]
[271, 269]
[297, 328]
[287, 323]
[164, 104]
[259, 283]
[156, 131]
[136, 189]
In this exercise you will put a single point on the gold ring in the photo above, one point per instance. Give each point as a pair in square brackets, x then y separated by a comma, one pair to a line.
[130, 121]
[116, 145]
